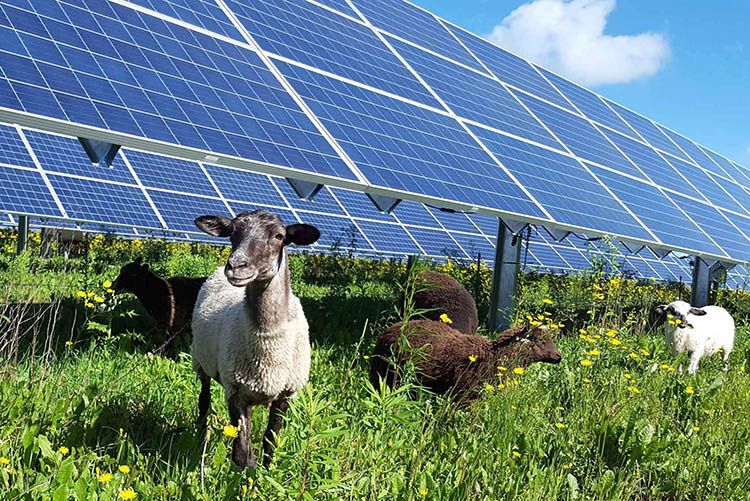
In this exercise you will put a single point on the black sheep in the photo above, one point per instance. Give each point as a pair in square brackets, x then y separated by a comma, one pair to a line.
[442, 294]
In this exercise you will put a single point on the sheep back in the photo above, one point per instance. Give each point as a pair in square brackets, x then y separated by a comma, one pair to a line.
[185, 293]
[230, 348]
[441, 293]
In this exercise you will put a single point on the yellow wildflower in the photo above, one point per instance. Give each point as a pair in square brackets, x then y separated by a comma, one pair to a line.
[594, 353]
[586, 362]
[472, 358]
[68, 343]
[627, 376]
[423, 491]
[366, 357]
[124, 469]
[516, 454]
[634, 356]
[708, 411]
[586, 380]
[110, 291]
[107, 284]
[90, 294]
[446, 319]
[63, 450]
[80, 294]
[696, 429]
[644, 352]
[611, 333]
[689, 390]
[128, 494]
[599, 297]
[231, 431]
[583, 332]
[615, 342]
[535, 323]
[4, 461]
[633, 389]
[99, 299]
[548, 301]
[520, 371]
[501, 368]
[561, 426]
[489, 387]
[104, 478]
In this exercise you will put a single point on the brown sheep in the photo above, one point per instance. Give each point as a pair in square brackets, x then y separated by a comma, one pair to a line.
[440, 294]
[168, 301]
[442, 355]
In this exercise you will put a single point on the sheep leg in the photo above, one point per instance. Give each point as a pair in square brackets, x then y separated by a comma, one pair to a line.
[275, 418]
[204, 402]
[240, 415]
[725, 356]
[163, 349]
[695, 358]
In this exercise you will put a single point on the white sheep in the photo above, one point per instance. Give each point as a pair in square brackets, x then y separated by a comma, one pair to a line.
[249, 331]
[700, 331]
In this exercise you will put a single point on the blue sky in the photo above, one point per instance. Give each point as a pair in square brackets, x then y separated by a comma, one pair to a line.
[701, 89]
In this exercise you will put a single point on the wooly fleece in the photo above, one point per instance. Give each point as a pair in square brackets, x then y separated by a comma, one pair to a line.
[442, 355]
[231, 347]
[442, 294]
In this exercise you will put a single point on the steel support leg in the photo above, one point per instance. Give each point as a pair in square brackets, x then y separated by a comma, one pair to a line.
[705, 282]
[23, 234]
[504, 278]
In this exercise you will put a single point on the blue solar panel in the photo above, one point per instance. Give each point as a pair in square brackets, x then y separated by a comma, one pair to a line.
[179, 211]
[405, 147]
[511, 69]
[339, 5]
[25, 191]
[203, 13]
[707, 186]
[156, 171]
[176, 85]
[437, 243]
[657, 169]
[737, 193]
[314, 36]
[475, 245]
[97, 201]
[66, 155]
[244, 186]
[574, 258]
[720, 230]
[588, 103]
[648, 130]
[416, 214]
[547, 256]
[693, 152]
[453, 221]
[739, 175]
[358, 205]
[486, 224]
[323, 201]
[388, 237]
[286, 216]
[580, 136]
[657, 212]
[336, 233]
[12, 150]
[414, 24]
[474, 96]
[562, 185]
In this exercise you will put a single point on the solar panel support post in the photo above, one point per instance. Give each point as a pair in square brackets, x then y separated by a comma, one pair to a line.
[23, 234]
[99, 152]
[504, 277]
[706, 278]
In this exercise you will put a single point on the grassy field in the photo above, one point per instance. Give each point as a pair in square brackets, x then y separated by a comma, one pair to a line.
[86, 412]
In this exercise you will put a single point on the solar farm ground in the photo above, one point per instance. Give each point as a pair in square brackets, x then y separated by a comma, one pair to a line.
[87, 412]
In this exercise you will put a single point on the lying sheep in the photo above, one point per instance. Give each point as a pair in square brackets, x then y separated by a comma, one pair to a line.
[700, 331]
[448, 360]
[442, 294]
[168, 301]
[249, 331]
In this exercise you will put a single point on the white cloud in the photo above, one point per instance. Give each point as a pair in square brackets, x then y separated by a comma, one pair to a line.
[567, 36]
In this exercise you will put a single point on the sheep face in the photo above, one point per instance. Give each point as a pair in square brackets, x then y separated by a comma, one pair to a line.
[258, 242]
[532, 345]
[677, 312]
[130, 277]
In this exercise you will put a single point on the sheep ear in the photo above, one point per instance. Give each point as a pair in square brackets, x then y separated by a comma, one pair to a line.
[301, 234]
[138, 260]
[216, 226]
[661, 309]
[697, 312]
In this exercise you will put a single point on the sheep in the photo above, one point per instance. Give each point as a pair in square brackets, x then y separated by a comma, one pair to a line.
[447, 360]
[699, 331]
[441, 294]
[249, 330]
[168, 301]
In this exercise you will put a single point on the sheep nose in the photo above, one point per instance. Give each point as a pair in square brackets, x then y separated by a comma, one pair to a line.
[236, 262]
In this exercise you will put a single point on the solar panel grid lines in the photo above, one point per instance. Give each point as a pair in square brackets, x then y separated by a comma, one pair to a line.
[341, 7]
[126, 69]
[38, 166]
[739, 176]
[216, 190]
[139, 183]
[693, 151]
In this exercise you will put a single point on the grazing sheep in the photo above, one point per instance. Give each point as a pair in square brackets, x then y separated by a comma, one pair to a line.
[442, 355]
[249, 331]
[442, 294]
[700, 331]
[168, 301]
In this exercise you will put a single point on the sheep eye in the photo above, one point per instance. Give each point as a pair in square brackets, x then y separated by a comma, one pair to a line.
[279, 236]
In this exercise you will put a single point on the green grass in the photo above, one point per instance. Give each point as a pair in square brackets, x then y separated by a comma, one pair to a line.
[555, 432]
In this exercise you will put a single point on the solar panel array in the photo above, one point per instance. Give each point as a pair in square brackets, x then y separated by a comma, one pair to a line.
[374, 95]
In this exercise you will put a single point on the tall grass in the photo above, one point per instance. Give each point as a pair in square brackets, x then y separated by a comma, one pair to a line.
[81, 395]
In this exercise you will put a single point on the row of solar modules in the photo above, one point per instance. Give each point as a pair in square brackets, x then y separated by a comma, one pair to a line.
[558, 152]
[53, 178]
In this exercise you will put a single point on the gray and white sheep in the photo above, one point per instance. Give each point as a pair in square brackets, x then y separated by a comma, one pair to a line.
[249, 331]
